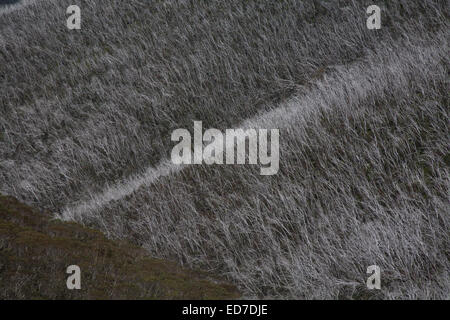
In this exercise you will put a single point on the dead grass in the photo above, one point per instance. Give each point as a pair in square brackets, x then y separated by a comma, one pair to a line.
[364, 136]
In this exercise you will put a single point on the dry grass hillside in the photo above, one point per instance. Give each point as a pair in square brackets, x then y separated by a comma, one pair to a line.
[86, 118]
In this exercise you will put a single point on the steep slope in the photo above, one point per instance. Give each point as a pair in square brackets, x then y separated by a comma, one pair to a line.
[364, 179]
[86, 118]
[82, 108]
